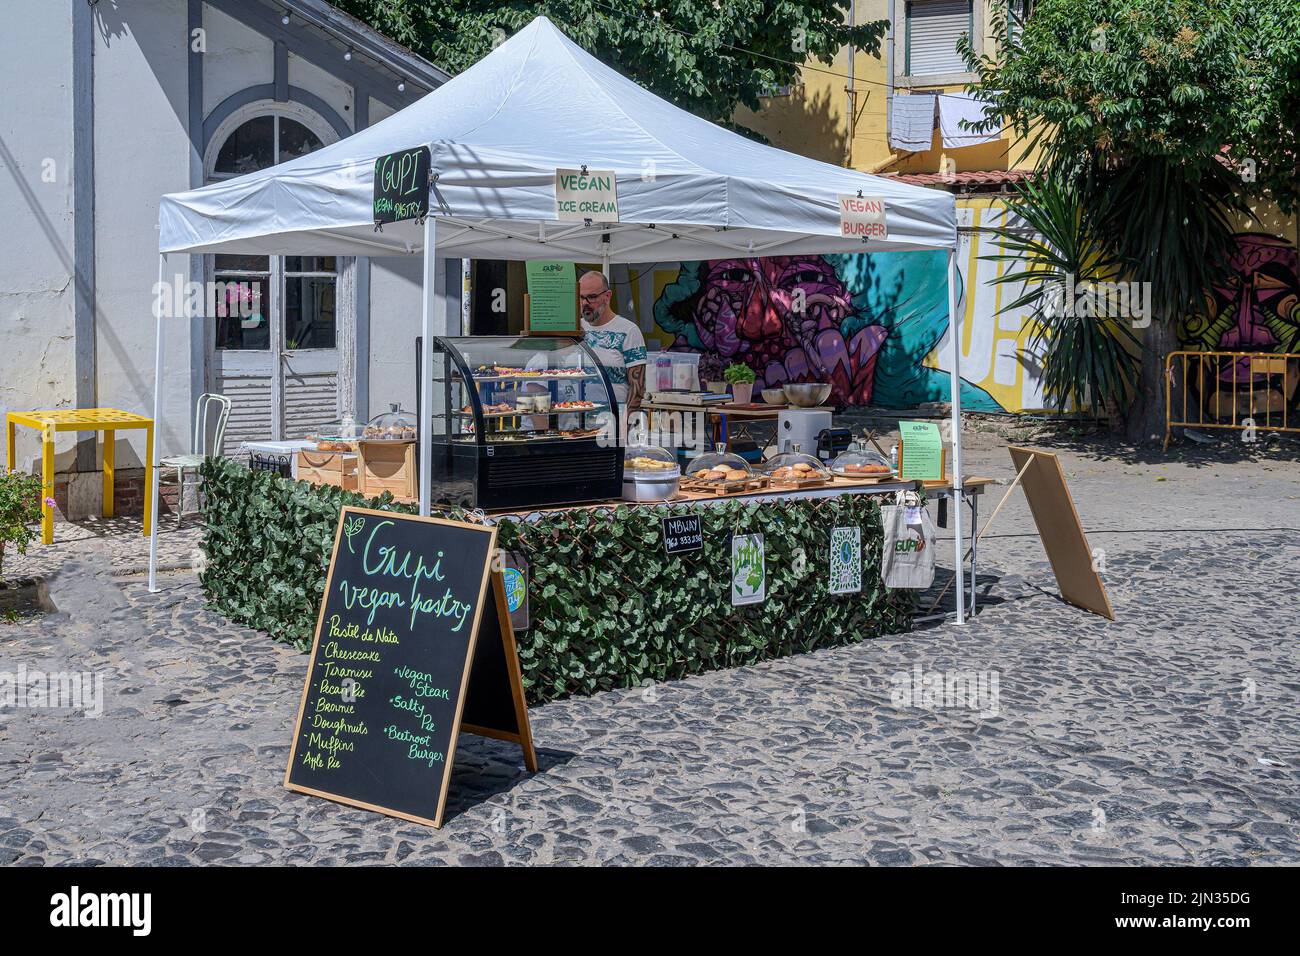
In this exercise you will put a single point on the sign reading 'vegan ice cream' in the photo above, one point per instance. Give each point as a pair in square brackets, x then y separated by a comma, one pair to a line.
[862, 217]
[582, 194]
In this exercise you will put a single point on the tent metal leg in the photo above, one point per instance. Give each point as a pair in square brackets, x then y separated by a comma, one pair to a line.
[974, 545]
[426, 359]
[157, 427]
[954, 335]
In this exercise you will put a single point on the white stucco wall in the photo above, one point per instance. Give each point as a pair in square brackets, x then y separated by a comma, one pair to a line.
[141, 151]
[335, 92]
[395, 305]
[238, 57]
[37, 363]
[379, 110]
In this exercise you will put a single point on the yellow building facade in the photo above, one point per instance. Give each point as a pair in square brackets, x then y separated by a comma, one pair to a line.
[840, 113]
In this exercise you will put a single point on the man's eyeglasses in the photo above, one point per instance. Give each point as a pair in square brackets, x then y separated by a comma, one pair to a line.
[592, 297]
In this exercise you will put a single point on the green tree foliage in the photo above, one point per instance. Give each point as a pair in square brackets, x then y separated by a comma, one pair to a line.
[706, 56]
[1147, 111]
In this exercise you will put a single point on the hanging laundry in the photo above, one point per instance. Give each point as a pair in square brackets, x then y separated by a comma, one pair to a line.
[955, 107]
[911, 122]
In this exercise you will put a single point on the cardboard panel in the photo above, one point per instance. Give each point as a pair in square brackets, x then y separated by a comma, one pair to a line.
[1061, 531]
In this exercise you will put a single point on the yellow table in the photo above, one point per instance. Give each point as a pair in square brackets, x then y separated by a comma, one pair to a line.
[106, 420]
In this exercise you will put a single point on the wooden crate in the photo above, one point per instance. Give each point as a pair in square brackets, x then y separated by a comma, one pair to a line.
[337, 468]
[387, 466]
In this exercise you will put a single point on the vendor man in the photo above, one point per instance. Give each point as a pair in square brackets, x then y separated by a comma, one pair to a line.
[617, 342]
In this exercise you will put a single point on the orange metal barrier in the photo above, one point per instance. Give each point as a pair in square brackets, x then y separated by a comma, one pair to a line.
[1237, 390]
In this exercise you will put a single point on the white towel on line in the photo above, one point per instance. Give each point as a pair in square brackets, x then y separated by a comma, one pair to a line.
[955, 107]
[911, 122]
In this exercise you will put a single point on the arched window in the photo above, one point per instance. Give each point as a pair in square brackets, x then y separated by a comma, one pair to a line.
[295, 293]
[260, 142]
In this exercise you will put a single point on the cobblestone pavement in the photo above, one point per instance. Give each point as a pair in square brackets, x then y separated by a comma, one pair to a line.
[1169, 736]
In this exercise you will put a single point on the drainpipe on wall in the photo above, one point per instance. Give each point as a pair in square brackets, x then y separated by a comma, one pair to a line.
[848, 89]
[889, 83]
[83, 224]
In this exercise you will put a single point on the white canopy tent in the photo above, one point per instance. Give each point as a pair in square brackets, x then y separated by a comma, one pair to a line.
[687, 190]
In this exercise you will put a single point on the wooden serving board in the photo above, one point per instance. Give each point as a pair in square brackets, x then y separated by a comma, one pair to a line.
[739, 486]
[865, 479]
[800, 482]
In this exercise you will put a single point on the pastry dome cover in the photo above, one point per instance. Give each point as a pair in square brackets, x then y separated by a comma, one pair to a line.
[392, 425]
[719, 465]
[859, 461]
[649, 461]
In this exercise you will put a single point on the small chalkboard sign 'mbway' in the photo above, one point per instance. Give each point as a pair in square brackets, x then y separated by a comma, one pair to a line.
[401, 187]
[411, 647]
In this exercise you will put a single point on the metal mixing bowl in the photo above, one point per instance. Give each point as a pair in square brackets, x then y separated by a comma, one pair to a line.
[807, 394]
[774, 396]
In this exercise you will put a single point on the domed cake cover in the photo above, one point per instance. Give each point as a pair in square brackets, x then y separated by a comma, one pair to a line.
[649, 461]
[859, 460]
[718, 459]
[392, 425]
[347, 429]
[791, 457]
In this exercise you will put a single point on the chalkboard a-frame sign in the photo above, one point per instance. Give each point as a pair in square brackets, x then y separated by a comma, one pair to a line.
[401, 186]
[413, 645]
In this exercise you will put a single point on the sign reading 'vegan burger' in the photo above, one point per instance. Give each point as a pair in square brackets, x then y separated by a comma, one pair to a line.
[862, 217]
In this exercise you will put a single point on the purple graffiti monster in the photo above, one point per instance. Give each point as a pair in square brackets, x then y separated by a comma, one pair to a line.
[782, 317]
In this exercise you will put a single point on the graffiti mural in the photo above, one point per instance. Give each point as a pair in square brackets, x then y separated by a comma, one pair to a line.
[865, 323]
[1255, 309]
[874, 325]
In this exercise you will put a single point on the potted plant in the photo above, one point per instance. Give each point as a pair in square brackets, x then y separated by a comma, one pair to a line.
[741, 379]
[20, 510]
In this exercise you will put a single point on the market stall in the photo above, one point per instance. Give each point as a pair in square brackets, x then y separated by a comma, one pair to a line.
[504, 141]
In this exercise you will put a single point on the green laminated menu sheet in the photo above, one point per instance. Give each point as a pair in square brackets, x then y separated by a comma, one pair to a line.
[552, 297]
[922, 455]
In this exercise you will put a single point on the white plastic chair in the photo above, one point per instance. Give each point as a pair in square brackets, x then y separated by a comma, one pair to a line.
[199, 443]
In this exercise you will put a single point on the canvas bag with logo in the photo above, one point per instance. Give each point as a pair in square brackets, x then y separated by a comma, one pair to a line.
[908, 558]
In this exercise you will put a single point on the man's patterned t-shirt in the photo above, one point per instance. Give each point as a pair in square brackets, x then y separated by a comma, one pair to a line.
[619, 345]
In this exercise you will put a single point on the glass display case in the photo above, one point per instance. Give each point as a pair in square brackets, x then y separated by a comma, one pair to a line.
[523, 421]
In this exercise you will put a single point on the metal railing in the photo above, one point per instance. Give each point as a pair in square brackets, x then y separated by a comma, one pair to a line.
[1236, 390]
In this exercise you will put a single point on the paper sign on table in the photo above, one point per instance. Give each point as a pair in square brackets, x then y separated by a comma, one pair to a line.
[922, 454]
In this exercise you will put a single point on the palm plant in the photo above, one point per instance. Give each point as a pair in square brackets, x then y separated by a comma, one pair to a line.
[1171, 224]
[1052, 242]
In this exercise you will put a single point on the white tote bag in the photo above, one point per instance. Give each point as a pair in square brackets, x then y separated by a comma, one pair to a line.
[908, 558]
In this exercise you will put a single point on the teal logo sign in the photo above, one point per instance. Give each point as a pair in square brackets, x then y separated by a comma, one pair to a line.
[516, 588]
[846, 561]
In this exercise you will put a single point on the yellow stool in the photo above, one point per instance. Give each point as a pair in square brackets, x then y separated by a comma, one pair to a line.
[106, 420]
